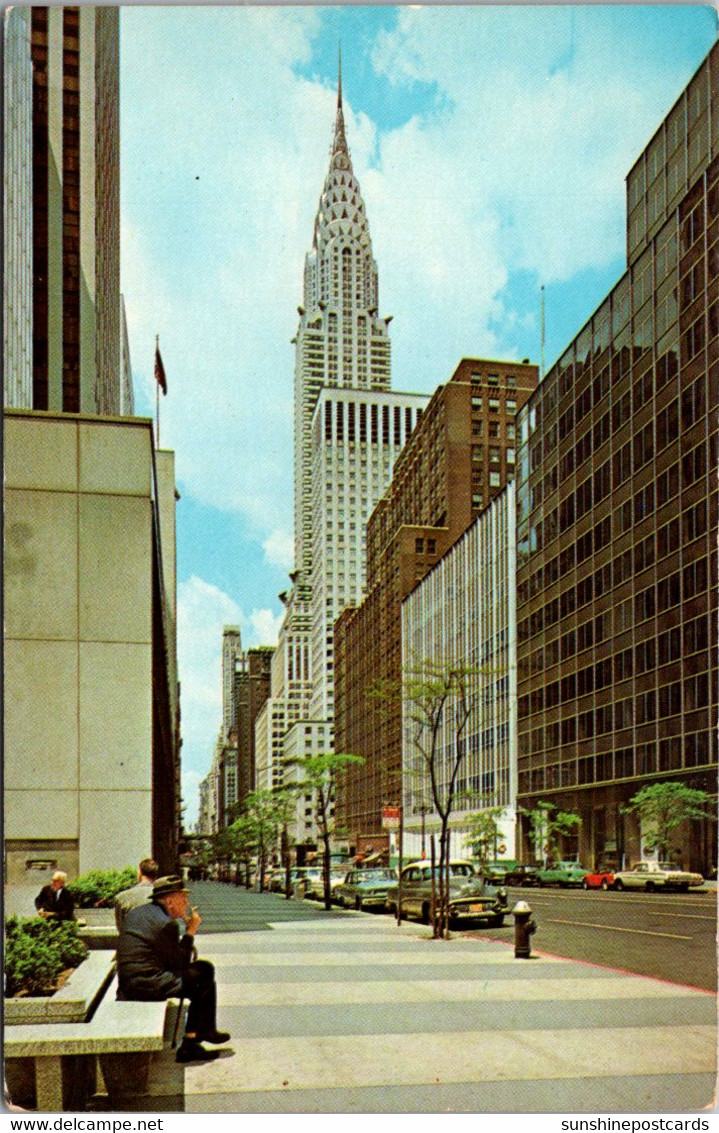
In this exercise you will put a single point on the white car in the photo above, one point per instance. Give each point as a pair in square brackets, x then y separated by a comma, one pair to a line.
[656, 875]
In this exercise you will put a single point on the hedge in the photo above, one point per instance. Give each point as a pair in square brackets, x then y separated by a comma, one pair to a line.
[36, 951]
[101, 886]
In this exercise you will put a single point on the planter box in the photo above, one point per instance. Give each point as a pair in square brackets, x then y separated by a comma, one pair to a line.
[73, 1002]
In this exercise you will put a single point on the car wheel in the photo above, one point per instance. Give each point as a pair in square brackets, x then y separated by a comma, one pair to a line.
[619, 885]
[650, 887]
[683, 888]
[358, 904]
[425, 913]
[497, 922]
[585, 884]
[605, 884]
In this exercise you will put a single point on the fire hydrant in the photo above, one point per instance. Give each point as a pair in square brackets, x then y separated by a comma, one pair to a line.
[524, 926]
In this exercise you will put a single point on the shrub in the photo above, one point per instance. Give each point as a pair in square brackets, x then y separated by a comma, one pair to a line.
[101, 886]
[36, 951]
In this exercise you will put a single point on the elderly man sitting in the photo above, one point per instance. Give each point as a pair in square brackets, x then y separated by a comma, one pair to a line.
[154, 962]
[54, 901]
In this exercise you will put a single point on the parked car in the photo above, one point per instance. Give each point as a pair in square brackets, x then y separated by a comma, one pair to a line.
[496, 871]
[521, 875]
[602, 878]
[311, 878]
[471, 898]
[315, 880]
[365, 888]
[561, 873]
[656, 875]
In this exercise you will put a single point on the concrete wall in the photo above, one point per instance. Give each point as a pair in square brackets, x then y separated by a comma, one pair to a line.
[78, 641]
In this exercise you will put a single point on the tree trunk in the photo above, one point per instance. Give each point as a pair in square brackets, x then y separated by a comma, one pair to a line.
[326, 869]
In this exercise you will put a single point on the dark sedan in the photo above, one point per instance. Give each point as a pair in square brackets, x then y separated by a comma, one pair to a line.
[521, 875]
[470, 897]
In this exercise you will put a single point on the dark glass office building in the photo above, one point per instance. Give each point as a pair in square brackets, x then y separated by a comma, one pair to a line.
[617, 516]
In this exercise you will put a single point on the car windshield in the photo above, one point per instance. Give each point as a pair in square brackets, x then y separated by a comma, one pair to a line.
[665, 865]
[376, 875]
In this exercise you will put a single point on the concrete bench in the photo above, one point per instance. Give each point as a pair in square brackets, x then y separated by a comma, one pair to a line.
[122, 1035]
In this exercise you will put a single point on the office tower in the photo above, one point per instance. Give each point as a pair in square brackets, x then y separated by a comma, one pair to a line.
[617, 515]
[62, 236]
[91, 696]
[463, 613]
[252, 688]
[349, 429]
[231, 652]
[459, 458]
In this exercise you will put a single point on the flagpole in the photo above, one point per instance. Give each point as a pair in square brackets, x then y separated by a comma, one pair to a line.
[157, 397]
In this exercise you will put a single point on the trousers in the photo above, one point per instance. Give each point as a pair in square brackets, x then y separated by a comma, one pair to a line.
[198, 986]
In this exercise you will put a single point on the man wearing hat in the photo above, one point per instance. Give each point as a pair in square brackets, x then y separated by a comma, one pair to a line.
[154, 962]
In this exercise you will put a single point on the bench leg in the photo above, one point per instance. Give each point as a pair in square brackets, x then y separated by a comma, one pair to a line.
[48, 1083]
[178, 1020]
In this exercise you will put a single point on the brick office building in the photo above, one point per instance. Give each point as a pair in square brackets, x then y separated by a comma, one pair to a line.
[458, 458]
[617, 515]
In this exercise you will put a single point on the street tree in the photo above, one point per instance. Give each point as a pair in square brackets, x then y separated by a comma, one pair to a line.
[242, 835]
[439, 700]
[318, 776]
[484, 832]
[548, 824]
[662, 807]
[266, 811]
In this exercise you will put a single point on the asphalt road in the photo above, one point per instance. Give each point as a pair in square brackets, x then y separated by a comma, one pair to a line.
[670, 936]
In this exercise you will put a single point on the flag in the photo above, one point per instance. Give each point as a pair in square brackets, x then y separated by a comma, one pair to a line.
[160, 371]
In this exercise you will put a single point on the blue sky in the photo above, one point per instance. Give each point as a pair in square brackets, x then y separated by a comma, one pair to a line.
[491, 146]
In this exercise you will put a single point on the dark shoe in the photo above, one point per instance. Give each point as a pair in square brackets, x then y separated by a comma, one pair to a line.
[192, 1051]
[216, 1037]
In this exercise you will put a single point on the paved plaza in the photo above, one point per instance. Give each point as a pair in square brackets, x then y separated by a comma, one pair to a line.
[346, 1012]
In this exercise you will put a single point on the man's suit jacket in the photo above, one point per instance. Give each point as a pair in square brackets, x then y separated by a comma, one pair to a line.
[140, 894]
[57, 901]
[151, 956]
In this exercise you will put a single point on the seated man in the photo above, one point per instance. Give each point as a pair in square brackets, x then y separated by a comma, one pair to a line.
[154, 962]
[139, 894]
[53, 901]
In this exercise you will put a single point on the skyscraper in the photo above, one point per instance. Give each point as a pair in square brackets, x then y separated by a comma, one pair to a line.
[349, 429]
[62, 210]
[231, 652]
[617, 516]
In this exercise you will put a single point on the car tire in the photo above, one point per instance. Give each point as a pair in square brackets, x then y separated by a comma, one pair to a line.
[683, 888]
[425, 913]
[497, 922]
[585, 884]
[619, 885]
[358, 904]
[605, 884]
[650, 887]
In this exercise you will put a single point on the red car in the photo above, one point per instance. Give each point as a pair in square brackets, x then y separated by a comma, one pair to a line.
[602, 878]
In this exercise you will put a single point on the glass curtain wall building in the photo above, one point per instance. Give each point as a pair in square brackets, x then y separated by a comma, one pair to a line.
[617, 515]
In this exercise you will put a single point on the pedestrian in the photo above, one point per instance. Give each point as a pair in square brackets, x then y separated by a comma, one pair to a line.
[53, 901]
[139, 894]
[155, 962]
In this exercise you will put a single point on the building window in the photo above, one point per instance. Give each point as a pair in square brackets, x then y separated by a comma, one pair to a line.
[494, 479]
[511, 405]
[419, 546]
[494, 405]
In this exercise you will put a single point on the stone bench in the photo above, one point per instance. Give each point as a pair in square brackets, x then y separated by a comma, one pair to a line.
[122, 1035]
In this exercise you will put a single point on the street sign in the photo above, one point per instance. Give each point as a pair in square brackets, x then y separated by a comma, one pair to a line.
[390, 817]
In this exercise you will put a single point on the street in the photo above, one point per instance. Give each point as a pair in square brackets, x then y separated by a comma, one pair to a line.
[670, 936]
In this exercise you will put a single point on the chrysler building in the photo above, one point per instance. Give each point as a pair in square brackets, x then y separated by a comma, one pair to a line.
[349, 429]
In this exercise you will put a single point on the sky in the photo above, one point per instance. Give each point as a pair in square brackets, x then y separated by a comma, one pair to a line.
[491, 146]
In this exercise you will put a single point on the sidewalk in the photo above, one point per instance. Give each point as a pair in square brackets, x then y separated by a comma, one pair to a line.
[340, 1013]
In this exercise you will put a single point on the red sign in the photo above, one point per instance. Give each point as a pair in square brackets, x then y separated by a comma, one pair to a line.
[390, 817]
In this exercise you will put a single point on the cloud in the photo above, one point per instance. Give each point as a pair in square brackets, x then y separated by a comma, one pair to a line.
[202, 612]
[279, 548]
